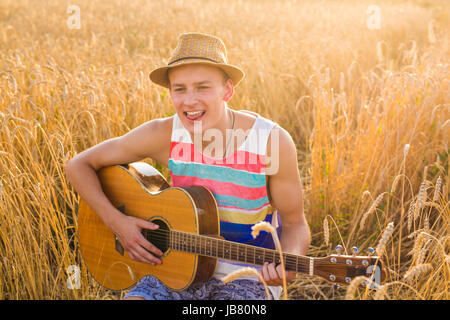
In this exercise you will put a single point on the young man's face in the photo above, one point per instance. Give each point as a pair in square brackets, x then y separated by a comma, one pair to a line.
[198, 92]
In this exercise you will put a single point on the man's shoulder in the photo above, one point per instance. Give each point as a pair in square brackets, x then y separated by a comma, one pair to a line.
[280, 143]
[248, 114]
[252, 116]
[159, 125]
[278, 135]
[151, 139]
[155, 132]
[282, 137]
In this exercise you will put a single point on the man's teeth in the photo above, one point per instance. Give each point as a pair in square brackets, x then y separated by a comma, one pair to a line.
[194, 113]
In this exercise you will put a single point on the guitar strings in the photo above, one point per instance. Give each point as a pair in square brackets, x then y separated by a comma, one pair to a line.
[162, 238]
[180, 234]
[300, 267]
[178, 244]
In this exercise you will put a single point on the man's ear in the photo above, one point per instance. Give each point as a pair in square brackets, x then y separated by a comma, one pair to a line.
[228, 90]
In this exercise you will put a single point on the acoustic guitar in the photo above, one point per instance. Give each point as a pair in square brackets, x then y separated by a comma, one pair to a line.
[188, 235]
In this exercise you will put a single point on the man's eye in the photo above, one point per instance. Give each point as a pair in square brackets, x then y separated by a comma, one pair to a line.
[182, 89]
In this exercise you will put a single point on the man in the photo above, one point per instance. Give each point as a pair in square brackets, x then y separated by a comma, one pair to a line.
[242, 176]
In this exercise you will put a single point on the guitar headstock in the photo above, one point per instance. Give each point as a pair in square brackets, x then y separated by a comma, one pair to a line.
[342, 269]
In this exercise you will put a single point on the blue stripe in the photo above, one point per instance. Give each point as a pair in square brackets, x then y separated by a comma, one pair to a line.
[248, 204]
[217, 173]
[242, 233]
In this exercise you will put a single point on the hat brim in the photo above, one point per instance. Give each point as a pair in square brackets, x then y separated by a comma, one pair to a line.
[160, 75]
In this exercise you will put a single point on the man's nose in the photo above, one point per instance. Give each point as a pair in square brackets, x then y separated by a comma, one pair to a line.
[190, 98]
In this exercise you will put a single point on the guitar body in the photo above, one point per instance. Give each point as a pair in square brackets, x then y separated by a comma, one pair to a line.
[188, 235]
[138, 190]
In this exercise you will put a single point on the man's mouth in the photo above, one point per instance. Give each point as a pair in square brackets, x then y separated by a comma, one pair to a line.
[194, 115]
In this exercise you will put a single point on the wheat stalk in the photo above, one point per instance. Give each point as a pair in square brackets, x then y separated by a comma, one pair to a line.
[426, 222]
[381, 293]
[326, 231]
[411, 210]
[406, 150]
[423, 252]
[415, 233]
[433, 204]
[437, 189]
[371, 209]
[418, 245]
[355, 283]
[416, 271]
[367, 192]
[420, 199]
[395, 182]
[385, 238]
[265, 226]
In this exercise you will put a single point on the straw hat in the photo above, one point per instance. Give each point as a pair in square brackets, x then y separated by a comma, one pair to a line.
[197, 48]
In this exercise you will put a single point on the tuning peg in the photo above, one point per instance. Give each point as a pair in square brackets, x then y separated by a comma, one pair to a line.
[339, 249]
[354, 251]
[370, 251]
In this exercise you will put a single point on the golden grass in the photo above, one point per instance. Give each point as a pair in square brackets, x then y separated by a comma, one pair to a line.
[366, 108]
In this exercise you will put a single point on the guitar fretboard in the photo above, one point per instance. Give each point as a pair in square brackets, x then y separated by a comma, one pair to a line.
[228, 250]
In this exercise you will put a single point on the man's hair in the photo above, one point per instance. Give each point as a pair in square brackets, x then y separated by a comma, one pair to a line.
[225, 76]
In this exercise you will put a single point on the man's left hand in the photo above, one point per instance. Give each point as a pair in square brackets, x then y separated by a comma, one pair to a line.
[273, 275]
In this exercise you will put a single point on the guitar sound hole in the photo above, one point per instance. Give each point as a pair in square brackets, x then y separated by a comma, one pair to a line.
[159, 237]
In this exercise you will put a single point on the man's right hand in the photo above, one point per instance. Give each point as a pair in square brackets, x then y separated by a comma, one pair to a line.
[128, 231]
[149, 140]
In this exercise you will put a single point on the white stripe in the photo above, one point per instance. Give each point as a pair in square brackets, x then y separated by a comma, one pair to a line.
[311, 266]
[257, 139]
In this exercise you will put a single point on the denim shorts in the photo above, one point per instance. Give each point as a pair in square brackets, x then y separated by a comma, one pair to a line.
[150, 288]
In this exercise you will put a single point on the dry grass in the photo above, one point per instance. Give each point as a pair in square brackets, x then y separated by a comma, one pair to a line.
[366, 108]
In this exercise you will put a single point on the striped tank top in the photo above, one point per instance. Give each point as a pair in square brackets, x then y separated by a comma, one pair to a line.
[237, 182]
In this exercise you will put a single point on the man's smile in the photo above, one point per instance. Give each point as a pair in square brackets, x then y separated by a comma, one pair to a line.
[194, 115]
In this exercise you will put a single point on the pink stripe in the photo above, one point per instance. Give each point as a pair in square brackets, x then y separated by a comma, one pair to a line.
[240, 160]
[223, 188]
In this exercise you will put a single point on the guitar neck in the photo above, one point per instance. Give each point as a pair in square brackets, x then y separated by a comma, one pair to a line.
[233, 251]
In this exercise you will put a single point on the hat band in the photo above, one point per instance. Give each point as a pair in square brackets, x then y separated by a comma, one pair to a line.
[191, 58]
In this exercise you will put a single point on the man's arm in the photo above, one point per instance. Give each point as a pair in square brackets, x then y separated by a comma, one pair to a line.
[286, 193]
[147, 140]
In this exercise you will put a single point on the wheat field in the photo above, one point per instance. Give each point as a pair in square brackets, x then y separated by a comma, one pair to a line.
[362, 87]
